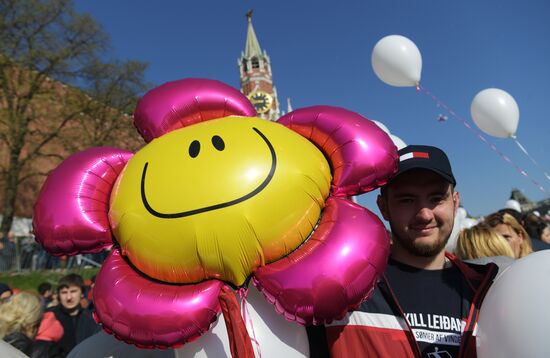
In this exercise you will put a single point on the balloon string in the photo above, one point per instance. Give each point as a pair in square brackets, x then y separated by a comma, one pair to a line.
[530, 157]
[243, 293]
[457, 117]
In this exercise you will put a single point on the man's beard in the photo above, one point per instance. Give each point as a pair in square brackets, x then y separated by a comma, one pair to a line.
[420, 249]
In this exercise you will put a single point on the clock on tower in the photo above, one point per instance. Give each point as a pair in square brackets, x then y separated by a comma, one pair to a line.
[261, 100]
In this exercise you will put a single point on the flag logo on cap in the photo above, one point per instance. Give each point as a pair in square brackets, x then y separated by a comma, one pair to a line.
[412, 155]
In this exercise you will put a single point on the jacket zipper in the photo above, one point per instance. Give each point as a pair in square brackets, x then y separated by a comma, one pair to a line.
[474, 308]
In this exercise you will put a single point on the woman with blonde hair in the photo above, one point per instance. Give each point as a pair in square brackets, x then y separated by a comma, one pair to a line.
[481, 241]
[507, 226]
[20, 316]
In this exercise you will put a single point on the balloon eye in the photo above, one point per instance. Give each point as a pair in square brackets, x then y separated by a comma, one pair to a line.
[194, 148]
[218, 143]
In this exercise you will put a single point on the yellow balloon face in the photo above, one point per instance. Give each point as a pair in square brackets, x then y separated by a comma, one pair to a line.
[218, 199]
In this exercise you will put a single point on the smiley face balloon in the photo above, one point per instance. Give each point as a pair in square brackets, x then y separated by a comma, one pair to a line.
[216, 197]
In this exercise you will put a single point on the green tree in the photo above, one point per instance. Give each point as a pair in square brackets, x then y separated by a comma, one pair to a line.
[46, 51]
[112, 90]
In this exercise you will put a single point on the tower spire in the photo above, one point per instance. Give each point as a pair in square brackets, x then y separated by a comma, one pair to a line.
[256, 76]
[252, 47]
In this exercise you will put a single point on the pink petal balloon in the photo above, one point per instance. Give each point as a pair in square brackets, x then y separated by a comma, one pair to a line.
[70, 214]
[181, 103]
[362, 156]
[148, 313]
[334, 271]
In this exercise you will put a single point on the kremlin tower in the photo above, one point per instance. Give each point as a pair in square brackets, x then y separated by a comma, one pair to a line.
[256, 76]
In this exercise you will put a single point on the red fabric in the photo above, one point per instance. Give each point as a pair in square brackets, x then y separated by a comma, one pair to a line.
[364, 341]
[90, 293]
[50, 329]
[239, 340]
[421, 155]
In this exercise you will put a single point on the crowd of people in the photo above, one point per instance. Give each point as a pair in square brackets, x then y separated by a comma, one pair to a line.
[46, 323]
[425, 305]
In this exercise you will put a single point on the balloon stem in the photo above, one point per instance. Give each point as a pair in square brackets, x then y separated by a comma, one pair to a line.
[522, 148]
[247, 318]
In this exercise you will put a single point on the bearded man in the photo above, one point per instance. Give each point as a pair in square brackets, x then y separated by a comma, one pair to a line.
[427, 302]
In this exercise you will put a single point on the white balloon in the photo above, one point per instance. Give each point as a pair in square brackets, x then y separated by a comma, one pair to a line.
[398, 142]
[273, 334]
[382, 126]
[513, 204]
[514, 318]
[397, 61]
[495, 112]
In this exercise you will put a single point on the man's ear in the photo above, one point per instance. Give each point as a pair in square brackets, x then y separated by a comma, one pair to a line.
[382, 206]
[456, 200]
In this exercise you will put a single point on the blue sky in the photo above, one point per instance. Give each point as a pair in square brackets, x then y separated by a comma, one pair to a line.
[320, 52]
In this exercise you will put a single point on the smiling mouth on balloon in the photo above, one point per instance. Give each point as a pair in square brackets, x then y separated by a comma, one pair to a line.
[216, 206]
